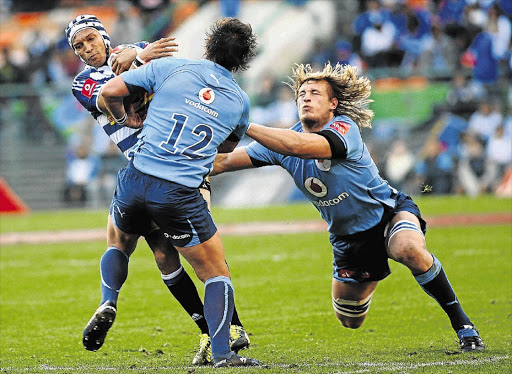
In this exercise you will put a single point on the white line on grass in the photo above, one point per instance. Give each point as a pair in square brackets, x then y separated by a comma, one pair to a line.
[366, 367]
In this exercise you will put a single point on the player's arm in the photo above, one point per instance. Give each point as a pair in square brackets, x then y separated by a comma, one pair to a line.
[291, 143]
[229, 144]
[112, 94]
[236, 160]
[131, 58]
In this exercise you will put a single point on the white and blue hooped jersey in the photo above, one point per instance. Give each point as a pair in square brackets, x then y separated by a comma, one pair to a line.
[86, 88]
[195, 107]
[349, 193]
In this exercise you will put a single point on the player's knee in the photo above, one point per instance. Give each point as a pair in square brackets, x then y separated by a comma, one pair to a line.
[351, 313]
[405, 242]
[350, 322]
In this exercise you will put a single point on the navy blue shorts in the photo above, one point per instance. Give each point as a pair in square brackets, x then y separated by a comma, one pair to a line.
[362, 257]
[180, 212]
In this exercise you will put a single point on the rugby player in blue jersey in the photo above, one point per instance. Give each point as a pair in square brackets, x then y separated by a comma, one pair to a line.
[197, 110]
[90, 41]
[368, 220]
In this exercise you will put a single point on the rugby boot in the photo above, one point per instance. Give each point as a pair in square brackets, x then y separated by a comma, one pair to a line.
[98, 326]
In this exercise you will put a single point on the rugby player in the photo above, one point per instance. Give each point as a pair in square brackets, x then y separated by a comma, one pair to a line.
[88, 38]
[368, 220]
[197, 110]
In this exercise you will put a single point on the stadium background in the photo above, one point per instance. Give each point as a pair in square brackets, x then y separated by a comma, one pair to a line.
[52, 156]
[49, 258]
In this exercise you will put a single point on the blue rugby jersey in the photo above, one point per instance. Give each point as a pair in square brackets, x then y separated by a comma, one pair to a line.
[196, 106]
[86, 88]
[349, 193]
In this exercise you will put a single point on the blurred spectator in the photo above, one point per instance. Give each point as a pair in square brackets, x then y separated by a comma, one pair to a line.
[471, 165]
[461, 92]
[374, 14]
[128, 26]
[484, 121]
[81, 171]
[481, 58]
[414, 42]
[266, 92]
[451, 12]
[10, 71]
[500, 29]
[498, 159]
[230, 8]
[377, 42]
[435, 171]
[282, 112]
[344, 55]
[440, 52]
[398, 164]
[320, 55]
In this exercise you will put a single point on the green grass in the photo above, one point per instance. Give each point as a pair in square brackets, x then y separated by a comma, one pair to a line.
[49, 291]
[86, 219]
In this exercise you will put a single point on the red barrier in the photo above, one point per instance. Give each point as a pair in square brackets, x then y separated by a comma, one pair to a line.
[10, 202]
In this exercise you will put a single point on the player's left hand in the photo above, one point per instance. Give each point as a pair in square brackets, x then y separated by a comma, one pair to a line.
[163, 47]
[123, 59]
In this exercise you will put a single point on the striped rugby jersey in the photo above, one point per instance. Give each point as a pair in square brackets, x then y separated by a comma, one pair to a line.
[86, 88]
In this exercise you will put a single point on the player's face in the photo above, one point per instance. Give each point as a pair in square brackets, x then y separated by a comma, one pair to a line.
[315, 106]
[89, 45]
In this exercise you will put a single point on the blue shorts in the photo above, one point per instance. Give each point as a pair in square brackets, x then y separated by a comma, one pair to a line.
[180, 212]
[362, 257]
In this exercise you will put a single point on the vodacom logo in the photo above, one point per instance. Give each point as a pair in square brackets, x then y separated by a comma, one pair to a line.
[315, 187]
[206, 95]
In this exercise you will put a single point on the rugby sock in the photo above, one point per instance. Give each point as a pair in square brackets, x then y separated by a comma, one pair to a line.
[184, 290]
[235, 320]
[114, 271]
[435, 283]
[218, 310]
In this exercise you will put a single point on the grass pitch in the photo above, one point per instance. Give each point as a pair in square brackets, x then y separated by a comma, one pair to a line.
[282, 287]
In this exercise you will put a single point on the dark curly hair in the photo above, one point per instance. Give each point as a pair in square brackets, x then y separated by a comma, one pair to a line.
[230, 43]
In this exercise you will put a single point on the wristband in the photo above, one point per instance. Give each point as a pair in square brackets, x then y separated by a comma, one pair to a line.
[138, 62]
[122, 120]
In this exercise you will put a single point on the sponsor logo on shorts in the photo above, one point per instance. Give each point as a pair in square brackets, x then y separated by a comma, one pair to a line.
[331, 202]
[88, 88]
[342, 273]
[176, 237]
[202, 107]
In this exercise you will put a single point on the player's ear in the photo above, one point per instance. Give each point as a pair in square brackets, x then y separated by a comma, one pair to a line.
[333, 103]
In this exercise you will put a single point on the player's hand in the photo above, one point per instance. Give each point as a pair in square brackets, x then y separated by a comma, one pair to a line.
[163, 47]
[134, 121]
[123, 60]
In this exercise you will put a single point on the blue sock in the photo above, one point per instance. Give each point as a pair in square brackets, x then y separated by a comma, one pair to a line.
[435, 283]
[218, 310]
[114, 271]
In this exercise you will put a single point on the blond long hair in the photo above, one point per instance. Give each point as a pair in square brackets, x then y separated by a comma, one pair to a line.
[351, 90]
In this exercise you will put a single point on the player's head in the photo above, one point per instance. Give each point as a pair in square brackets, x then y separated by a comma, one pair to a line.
[87, 36]
[230, 43]
[346, 92]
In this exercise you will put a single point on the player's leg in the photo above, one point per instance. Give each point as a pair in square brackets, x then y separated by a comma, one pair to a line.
[406, 244]
[114, 271]
[208, 261]
[181, 286]
[176, 277]
[351, 301]
[182, 214]
[359, 263]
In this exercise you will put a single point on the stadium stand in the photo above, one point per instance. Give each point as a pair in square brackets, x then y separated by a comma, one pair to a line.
[431, 93]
